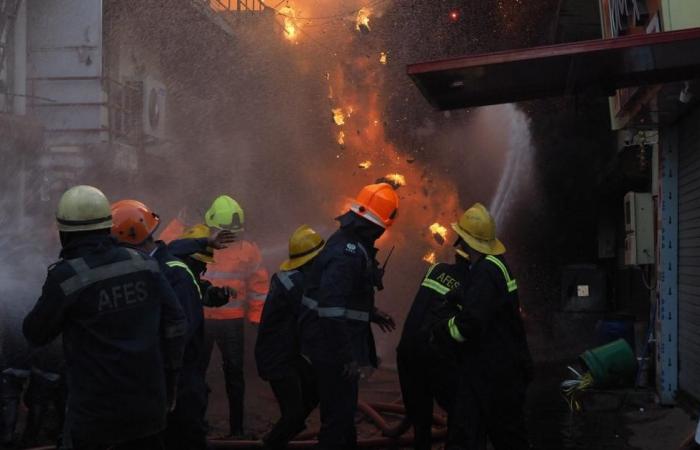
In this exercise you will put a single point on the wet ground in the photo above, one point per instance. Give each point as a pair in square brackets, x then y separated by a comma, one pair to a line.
[612, 420]
[616, 420]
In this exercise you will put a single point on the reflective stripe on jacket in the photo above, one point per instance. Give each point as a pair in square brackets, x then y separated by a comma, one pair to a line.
[338, 302]
[430, 304]
[239, 267]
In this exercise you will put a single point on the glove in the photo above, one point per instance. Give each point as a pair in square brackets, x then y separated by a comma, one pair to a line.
[218, 296]
[171, 378]
[441, 343]
[351, 371]
[383, 320]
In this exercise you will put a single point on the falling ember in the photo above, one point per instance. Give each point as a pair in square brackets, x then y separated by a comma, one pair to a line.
[430, 257]
[396, 180]
[382, 58]
[338, 116]
[362, 20]
[341, 138]
[439, 233]
[290, 23]
[365, 165]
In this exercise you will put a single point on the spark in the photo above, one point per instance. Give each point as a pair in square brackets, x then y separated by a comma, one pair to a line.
[365, 164]
[430, 257]
[383, 58]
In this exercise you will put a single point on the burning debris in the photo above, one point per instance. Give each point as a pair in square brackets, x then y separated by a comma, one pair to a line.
[383, 58]
[439, 233]
[290, 22]
[341, 139]
[338, 116]
[364, 165]
[396, 180]
[362, 20]
[430, 257]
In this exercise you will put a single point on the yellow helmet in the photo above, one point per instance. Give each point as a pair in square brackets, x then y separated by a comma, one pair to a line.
[225, 213]
[478, 229]
[83, 208]
[198, 232]
[304, 245]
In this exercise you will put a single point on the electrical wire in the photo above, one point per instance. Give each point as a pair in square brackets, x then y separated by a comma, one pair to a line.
[571, 389]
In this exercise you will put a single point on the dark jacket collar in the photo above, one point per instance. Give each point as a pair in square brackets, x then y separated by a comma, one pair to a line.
[87, 244]
[360, 229]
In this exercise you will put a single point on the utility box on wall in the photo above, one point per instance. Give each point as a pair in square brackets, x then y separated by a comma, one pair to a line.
[639, 229]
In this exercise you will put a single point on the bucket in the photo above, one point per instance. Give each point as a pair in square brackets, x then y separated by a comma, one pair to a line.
[611, 365]
[612, 328]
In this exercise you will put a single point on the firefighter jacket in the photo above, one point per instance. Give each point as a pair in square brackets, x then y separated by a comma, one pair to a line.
[188, 291]
[239, 266]
[490, 326]
[339, 300]
[122, 330]
[277, 344]
[433, 303]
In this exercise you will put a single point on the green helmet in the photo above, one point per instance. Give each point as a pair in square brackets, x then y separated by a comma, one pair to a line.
[225, 213]
[83, 208]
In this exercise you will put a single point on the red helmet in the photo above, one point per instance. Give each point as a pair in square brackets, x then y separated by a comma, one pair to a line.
[377, 203]
[133, 222]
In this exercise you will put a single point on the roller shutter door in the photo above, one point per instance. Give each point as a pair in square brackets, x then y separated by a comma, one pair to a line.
[689, 255]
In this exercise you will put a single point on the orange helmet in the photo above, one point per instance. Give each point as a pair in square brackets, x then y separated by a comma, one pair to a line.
[377, 203]
[133, 222]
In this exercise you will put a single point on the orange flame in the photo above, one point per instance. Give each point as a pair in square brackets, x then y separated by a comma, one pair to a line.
[383, 58]
[290, 23]
[396, 179]
[338, 116]
[341, 138]
[430, 257]
[365, 165]
[439, 233]
[362, 20]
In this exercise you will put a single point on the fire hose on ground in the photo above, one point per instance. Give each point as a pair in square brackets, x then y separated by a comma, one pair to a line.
[372, 411]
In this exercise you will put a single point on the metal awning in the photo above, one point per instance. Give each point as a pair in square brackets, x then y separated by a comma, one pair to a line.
[596, 67]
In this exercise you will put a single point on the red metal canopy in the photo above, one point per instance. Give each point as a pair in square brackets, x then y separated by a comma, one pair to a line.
[597, 67]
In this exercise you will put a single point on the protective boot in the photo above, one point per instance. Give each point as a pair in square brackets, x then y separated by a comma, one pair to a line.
[11, 385]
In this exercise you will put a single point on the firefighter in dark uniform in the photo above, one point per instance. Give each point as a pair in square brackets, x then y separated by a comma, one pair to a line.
[277, 352]
[338, 307]
[123, 331]
[496, 365]
[424, 375]
[133, 225]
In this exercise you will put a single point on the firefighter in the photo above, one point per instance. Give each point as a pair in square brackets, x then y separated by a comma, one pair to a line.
[424, 375]
[277, 351]
[195, 247]
[240, 268]
[338, 307]
[133, 225]
[496, 365]
[123, 330]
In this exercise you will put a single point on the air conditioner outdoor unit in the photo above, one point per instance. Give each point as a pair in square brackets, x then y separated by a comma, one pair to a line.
[154, 96]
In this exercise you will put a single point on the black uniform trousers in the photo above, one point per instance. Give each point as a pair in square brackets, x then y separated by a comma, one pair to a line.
[187, 428]
[493, 410]
[338, 402]
[297, 396]
[425, 379]
[229, 336]
[147, 443]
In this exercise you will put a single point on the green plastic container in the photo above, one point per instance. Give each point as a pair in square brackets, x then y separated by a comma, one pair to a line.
[611, 365]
